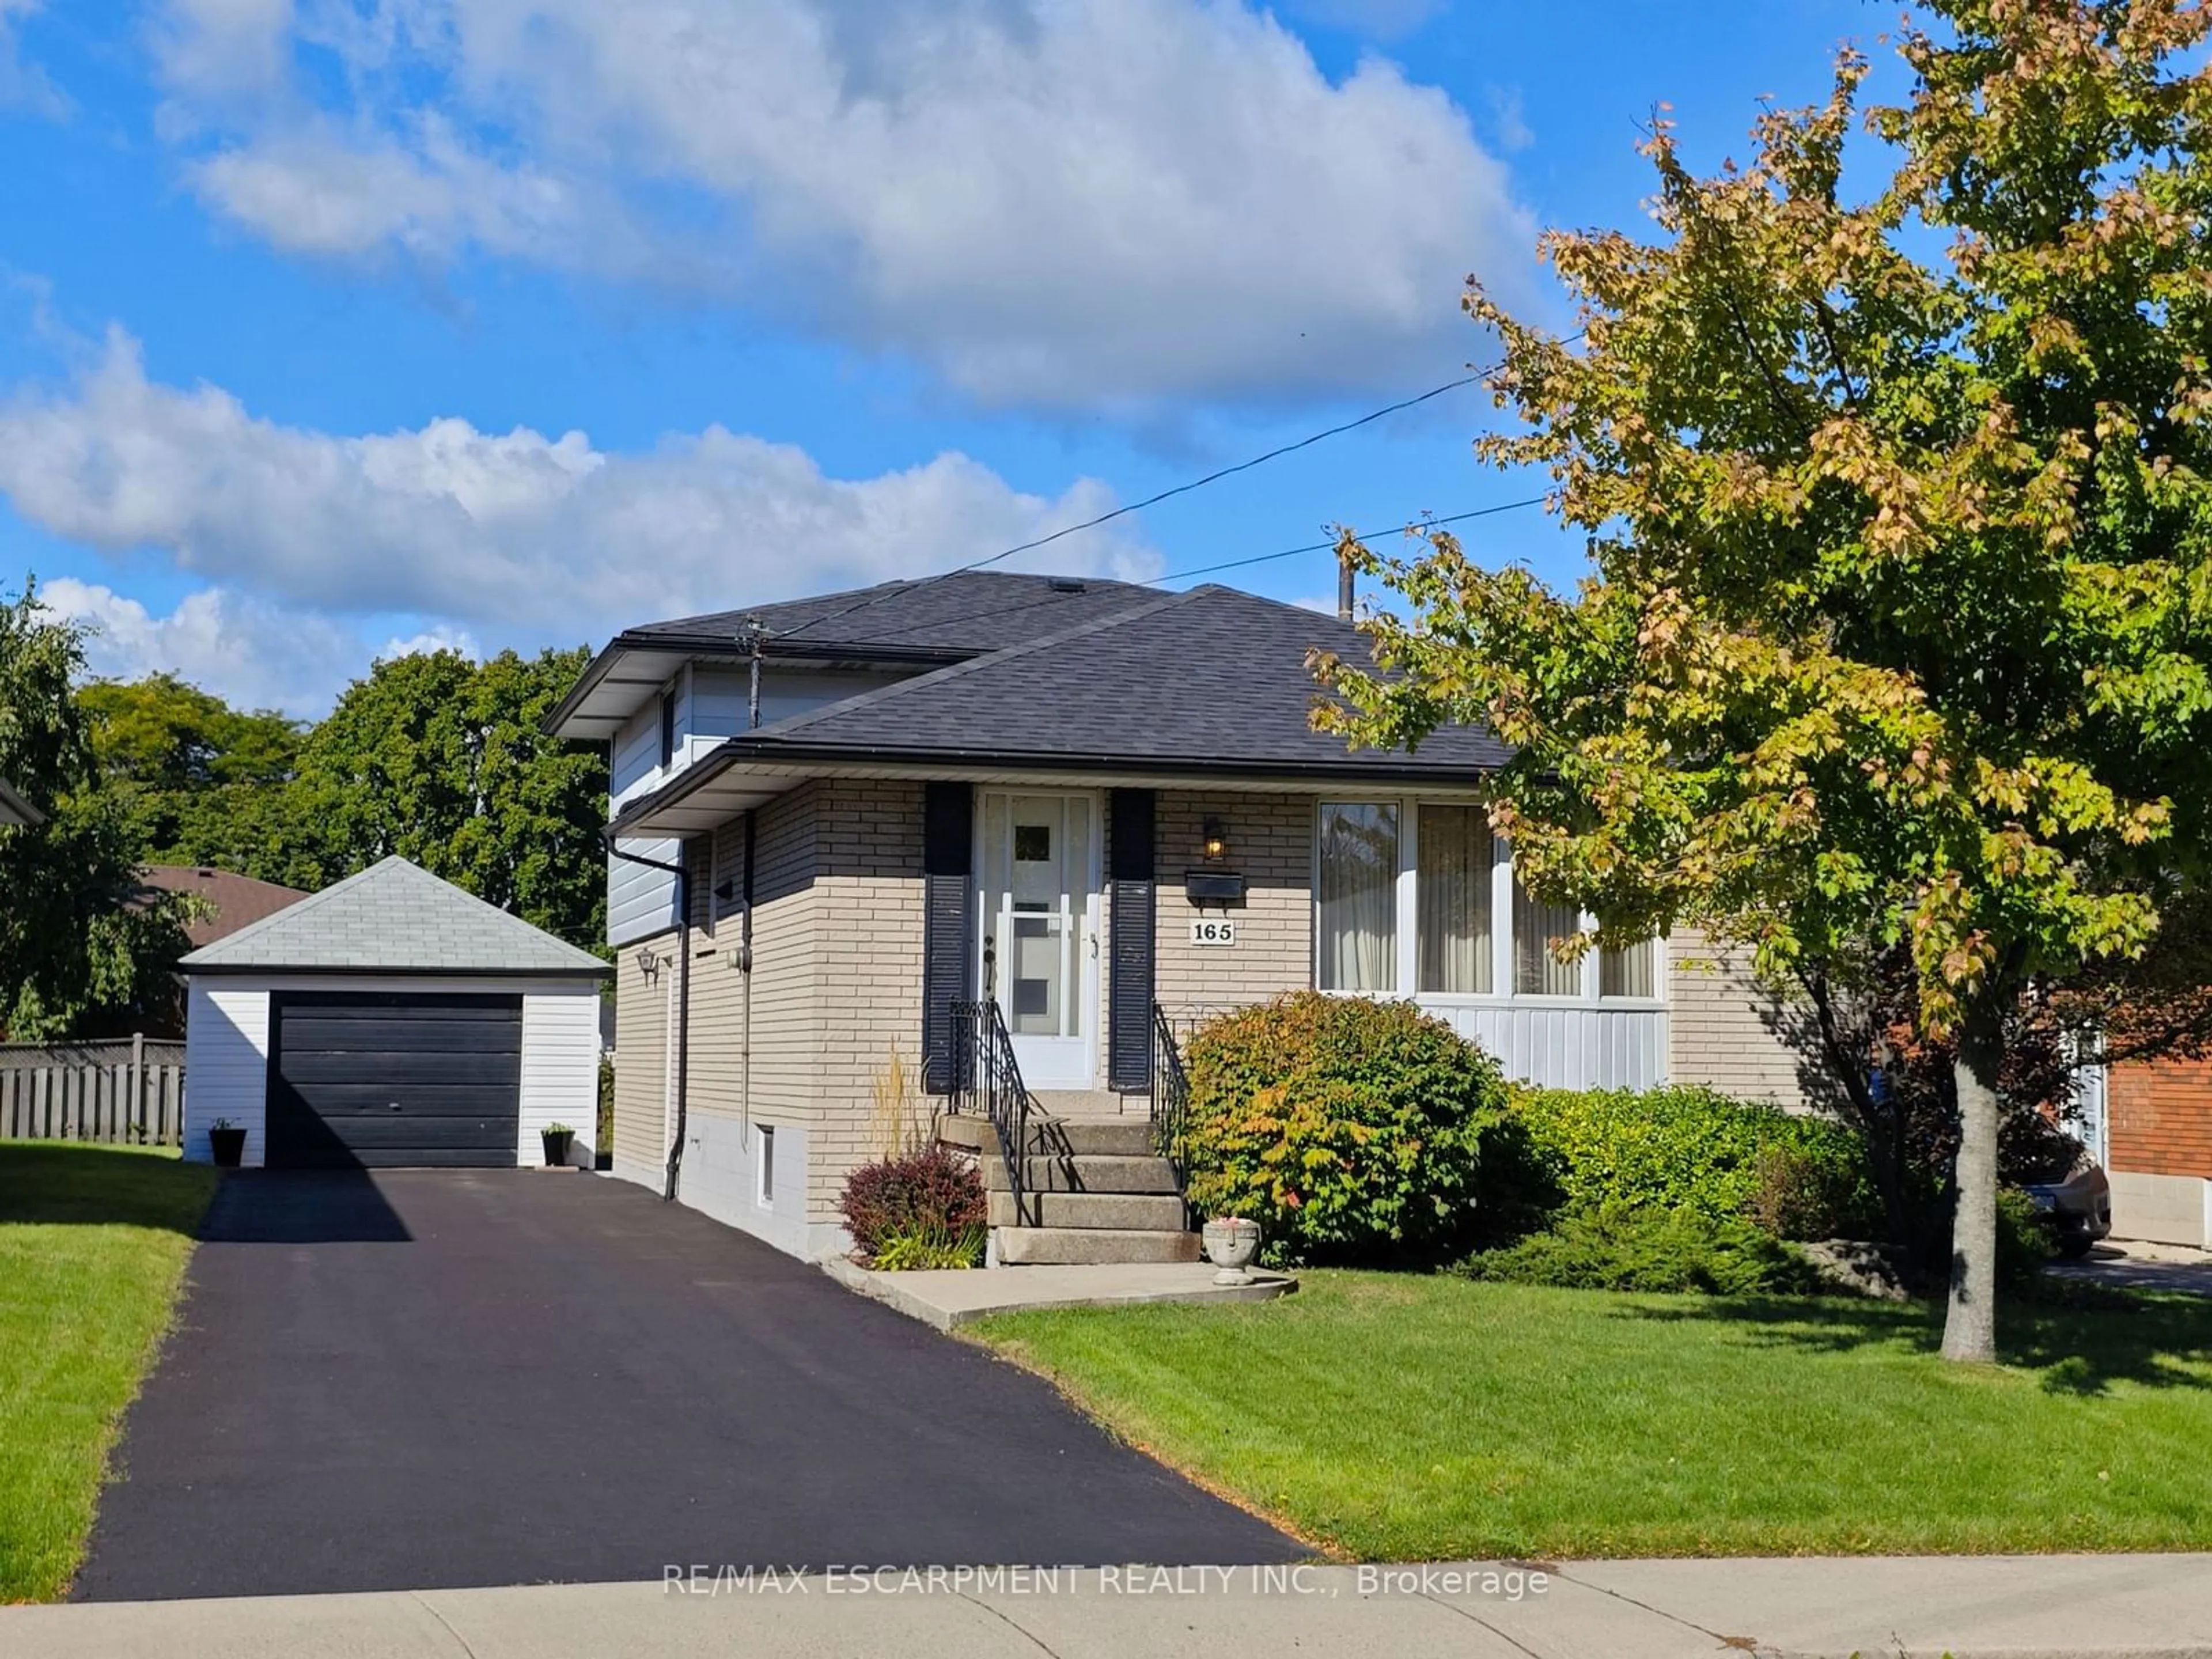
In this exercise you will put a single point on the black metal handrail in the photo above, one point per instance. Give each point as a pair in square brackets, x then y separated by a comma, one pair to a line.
[1171, 1093]
[986, 1082]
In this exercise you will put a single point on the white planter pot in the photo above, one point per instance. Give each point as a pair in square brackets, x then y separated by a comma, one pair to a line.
[1230, 1244]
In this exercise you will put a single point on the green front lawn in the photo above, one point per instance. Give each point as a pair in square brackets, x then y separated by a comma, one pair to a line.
[1394, 1417]
[93, 1245]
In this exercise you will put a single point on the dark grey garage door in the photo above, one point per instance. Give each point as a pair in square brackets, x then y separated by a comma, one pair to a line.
[393, 1079]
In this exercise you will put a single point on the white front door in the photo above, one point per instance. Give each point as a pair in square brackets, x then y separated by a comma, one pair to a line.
[1039, 899]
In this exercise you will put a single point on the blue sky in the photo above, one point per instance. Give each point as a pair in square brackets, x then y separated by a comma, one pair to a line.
[328, 329]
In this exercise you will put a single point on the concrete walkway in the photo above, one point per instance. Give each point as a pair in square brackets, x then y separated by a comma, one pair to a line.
[2143, 1606]
[956, 1296]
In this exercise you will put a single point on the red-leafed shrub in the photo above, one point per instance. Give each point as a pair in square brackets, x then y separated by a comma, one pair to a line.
[931, 1193]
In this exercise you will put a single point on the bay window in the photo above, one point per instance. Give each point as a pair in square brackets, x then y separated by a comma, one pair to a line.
[1419, 896]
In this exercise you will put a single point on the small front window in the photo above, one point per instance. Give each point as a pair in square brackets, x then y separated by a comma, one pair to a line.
[1359, 920]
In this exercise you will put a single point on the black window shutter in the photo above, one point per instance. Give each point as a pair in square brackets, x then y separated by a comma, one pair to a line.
[948, 843]
[1129, 993]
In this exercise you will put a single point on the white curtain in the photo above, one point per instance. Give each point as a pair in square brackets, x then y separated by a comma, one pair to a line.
[1359, 920]
[1627, 973]
[1452, 898]
[1536, 972]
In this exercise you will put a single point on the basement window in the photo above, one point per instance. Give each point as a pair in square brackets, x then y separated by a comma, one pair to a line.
[765, 1169]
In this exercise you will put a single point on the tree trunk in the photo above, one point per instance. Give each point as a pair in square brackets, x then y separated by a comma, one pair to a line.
[1970, 1326]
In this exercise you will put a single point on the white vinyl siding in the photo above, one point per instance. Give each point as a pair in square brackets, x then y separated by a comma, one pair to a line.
[642, 900]
[226, 1065]
[718, 706]
[559, 1071]
[710, 704]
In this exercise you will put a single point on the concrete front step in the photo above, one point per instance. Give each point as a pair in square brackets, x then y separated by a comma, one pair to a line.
[1020, 1247]
[1083, 1138]
[1100, 1104]
[1052, 1137]
[1129, 1212]
[1096, 1174]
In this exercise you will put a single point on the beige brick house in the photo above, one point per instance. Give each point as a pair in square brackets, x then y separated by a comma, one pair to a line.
[1082, 814]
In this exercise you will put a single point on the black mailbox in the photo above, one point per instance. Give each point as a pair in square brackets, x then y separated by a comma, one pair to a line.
[1213, 886]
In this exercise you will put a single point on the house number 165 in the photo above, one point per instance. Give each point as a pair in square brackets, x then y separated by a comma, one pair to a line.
[1214, 930]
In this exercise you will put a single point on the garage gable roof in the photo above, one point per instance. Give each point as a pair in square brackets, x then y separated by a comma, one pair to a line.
[394, 917]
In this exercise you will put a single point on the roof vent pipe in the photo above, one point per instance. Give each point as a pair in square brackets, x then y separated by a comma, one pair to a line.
[753, 636]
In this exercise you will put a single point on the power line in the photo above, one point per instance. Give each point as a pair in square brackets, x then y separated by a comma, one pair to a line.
[994, 612]
[1215, 477]
[1362, 535]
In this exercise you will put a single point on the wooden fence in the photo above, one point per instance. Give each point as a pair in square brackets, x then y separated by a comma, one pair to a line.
[127, 1092]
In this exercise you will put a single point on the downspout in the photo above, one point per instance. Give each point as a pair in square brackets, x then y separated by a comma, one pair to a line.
[754, 635]
[682, 995]
[745, 968]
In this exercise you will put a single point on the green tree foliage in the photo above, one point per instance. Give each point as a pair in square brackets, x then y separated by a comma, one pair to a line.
[1895, 496]
[440, 760]
[83, 949]
[202, 782]
[432, 756]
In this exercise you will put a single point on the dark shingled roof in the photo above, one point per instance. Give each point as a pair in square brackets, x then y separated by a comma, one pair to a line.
[911, 625]
[1212, 681]
[972, 611]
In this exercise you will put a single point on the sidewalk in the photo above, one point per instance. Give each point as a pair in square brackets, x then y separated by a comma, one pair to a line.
[2045, 1605]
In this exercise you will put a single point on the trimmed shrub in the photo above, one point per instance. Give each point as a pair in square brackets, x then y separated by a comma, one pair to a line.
[934, 1194]
[1618, 1246]
[1687, 1148]
[1353, 1131]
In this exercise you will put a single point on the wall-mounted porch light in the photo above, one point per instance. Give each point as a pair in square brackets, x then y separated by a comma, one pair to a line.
[1214, 836]
[648, 962]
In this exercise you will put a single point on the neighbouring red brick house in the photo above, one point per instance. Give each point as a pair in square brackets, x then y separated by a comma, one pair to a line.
[2159, 1125]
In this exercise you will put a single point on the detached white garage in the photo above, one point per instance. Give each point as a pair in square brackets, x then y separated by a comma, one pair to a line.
[391, 1020]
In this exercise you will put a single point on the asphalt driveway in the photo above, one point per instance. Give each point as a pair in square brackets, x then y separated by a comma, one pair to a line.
[425, 1379]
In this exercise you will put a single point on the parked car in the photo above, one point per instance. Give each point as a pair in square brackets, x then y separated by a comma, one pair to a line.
[2079, 1206]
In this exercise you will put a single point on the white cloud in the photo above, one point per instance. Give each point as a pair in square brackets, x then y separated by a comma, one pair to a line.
[1509, 119]
[25, 86]
[1059, 203]
[515, 537]
[431, 641]
[247, 651]
[251, 653]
